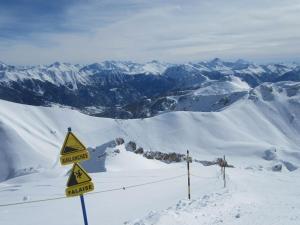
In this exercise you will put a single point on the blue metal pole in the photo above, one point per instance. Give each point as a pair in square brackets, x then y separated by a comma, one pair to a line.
[83, 210]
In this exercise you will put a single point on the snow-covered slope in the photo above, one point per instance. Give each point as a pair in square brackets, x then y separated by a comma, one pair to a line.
[267, 119]
[233, 84]
[252, 197]
[256, 133]
[158, 197]
[211, 96]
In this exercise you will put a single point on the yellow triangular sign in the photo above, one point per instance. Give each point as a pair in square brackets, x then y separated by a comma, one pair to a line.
[71, 145]
[78, 176]
[79, 182]
[73, 150]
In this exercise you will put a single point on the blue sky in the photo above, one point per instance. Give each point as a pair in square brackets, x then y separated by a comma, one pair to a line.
[86, 31]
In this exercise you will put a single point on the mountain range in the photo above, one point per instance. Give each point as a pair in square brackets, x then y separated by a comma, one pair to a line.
[246, 112]
[122, 89]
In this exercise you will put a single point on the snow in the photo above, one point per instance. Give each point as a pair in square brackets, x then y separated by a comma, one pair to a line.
[250, 126]
[105, 158]
[154, 67]
[252, 197]
[253, 69]
[235, 84]
[255, 133]
[57, 73]
[67, 74]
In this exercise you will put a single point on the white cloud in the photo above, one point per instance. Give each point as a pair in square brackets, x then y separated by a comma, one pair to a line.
[171, 31]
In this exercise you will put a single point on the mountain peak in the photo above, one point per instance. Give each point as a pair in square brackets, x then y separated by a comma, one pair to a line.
[154, 61]
[216, 60]
[242, 61]
[3, 65]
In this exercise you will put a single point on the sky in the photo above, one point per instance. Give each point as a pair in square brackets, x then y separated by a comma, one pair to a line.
[86, 31]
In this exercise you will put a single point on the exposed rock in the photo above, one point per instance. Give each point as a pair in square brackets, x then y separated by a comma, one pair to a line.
[148, 155]
[171, 157]
[119, 141]
[277, 168]
[131, 146]
[218, 161]
[289, 166]
[206, 163]
[270, 154]
[140, 150]
[174, 157]
[117, 151]
[165, 157]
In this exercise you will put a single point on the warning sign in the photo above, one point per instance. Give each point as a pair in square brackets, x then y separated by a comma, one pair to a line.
[78, 175]
[79, 182]
[73, 150]
[74, 157]
[72, 144]
[79, 189]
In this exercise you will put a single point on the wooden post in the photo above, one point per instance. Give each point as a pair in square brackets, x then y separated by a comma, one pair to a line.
[224, 177]
[188, 171]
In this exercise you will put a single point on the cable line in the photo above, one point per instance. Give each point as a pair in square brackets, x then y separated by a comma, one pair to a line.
[96, 192]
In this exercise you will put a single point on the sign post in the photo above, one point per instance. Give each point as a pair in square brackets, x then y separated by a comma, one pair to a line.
[79, 182]
[188, 160]
[224, 176]
[83, 210]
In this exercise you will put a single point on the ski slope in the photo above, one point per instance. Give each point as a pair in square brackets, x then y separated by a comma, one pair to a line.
[32, 136]
[158, 197]
[255, 133]
[251, 197]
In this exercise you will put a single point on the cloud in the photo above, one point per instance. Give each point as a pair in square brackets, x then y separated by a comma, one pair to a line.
[22, 18]
[141, 30]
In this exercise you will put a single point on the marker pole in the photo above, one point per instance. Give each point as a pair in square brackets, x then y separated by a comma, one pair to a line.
[224, 176]
[83, 210]
[188, 170]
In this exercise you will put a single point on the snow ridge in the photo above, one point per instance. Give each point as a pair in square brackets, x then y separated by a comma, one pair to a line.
[65, 73]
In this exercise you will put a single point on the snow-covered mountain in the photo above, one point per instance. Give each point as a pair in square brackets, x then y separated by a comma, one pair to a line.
[154, 67]
[257, 128]
[67, 73]
[266, 117]
[116, 88]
